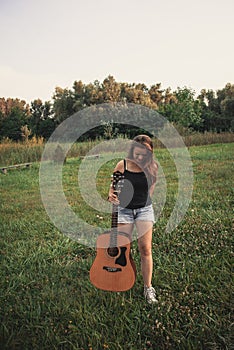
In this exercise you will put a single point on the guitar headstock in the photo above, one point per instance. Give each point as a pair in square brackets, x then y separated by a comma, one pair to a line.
[117, 180]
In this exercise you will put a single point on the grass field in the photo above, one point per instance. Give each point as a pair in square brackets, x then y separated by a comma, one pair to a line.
[47, 301]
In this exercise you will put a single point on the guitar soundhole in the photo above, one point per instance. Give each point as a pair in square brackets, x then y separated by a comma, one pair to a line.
[113, 251]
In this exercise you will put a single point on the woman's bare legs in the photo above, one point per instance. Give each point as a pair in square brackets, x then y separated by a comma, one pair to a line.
[144, 230]
[126, 228]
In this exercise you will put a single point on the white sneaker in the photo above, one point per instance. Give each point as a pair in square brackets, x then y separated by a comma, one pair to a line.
[150, 295]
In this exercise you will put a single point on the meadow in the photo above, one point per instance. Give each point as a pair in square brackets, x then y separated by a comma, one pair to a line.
[48, 302]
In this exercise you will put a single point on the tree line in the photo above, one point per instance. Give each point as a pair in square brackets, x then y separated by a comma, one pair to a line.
[209, 111]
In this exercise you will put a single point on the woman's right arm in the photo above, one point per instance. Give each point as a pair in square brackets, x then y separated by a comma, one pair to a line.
[113, 198]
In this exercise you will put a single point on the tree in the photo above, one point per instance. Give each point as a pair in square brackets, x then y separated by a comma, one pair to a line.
[136, 93]
[227, 106]
[14, 113]
[183, 109]
[36, 115]
[11, 126]
[6, 106]
[156, 94]
[111, 90]
[41, 119]
[46, 128]
[63, 105]
[211, 111]
[218, 108]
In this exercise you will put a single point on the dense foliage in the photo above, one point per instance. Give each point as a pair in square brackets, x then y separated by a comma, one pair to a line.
[209, 111]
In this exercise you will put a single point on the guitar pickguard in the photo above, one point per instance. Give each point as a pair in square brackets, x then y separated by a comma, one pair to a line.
[121, 260]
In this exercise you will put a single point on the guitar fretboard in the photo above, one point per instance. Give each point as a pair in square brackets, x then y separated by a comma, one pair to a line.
[117, 177]
[114, 225]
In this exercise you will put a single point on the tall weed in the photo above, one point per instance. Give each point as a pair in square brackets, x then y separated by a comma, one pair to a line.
[31, 151]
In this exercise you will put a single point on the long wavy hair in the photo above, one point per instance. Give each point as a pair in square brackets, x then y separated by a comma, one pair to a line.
[150, 166]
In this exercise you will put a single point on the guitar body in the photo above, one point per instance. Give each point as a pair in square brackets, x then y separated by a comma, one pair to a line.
[113, 268]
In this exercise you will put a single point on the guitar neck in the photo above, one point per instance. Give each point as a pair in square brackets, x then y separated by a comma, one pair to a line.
[114, 218]
[114, 225]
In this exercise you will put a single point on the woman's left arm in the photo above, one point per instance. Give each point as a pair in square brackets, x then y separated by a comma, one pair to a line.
[152, 187]
[151, 190]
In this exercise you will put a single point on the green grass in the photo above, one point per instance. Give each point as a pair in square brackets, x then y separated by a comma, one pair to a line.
[47, 301]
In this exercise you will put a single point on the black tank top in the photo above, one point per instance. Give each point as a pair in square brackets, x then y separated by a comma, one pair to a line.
[134, 191]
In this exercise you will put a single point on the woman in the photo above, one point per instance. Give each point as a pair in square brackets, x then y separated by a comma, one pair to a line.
[134, 201]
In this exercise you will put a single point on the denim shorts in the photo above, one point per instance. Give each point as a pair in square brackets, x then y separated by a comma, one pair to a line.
[129, 216]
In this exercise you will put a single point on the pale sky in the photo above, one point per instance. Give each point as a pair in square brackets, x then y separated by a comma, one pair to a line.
[177, 43]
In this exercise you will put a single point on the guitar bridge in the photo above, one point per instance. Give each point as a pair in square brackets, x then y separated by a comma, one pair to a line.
[112, 269]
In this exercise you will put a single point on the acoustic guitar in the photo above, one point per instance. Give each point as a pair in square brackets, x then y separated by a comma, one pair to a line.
[113, 268]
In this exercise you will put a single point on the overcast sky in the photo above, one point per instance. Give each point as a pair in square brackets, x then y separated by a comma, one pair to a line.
[51, 43]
